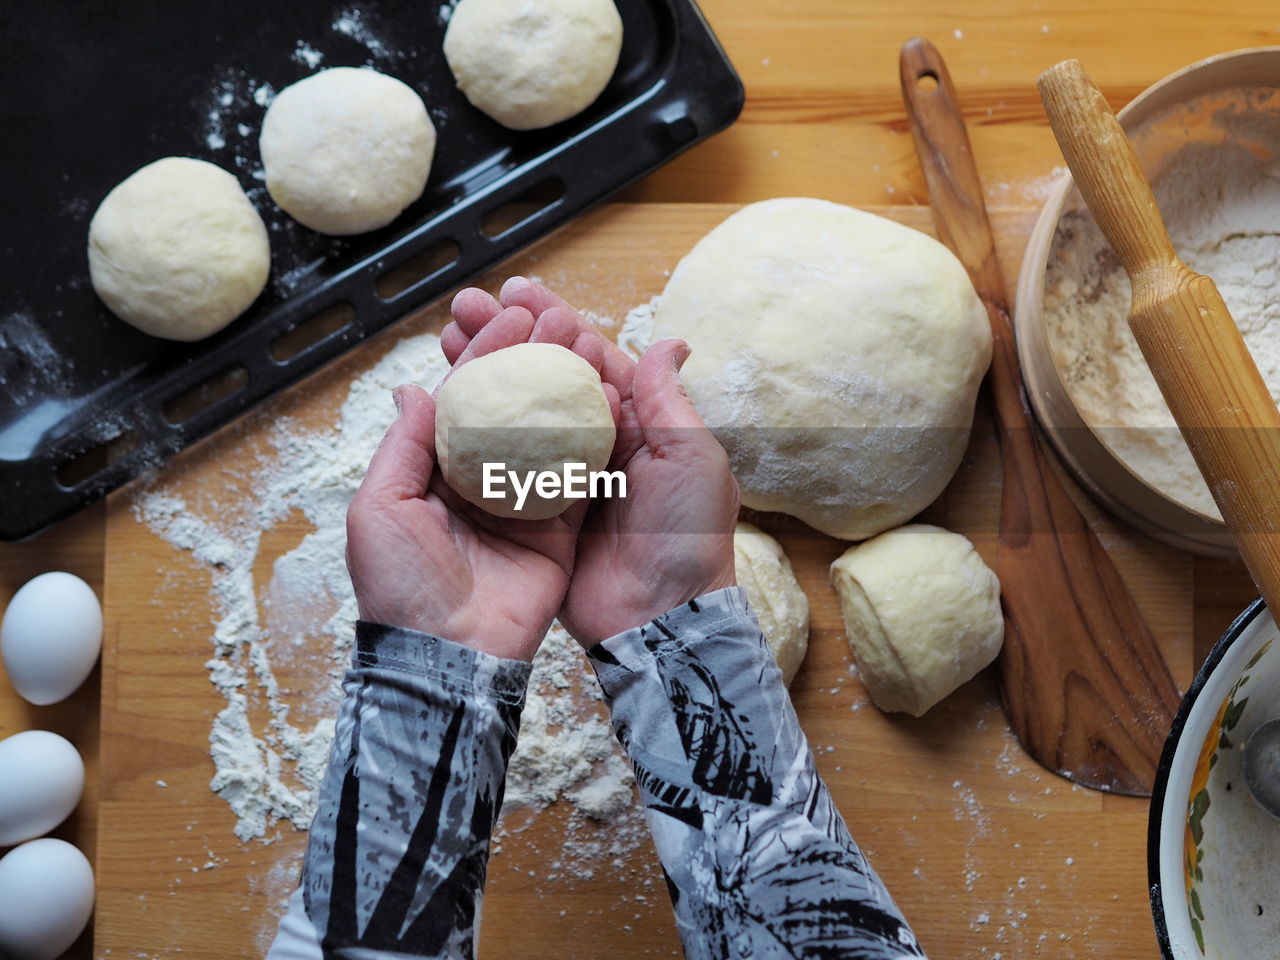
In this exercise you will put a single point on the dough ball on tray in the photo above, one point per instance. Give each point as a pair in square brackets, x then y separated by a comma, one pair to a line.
[530, 64]
[177, 250]
[346, 150]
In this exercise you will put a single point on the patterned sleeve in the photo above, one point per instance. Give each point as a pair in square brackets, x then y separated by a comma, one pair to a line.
[758, 861]
[396, 857]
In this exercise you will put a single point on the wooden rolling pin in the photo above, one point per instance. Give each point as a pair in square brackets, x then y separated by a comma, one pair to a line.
[1186, 333]
[1085, 687]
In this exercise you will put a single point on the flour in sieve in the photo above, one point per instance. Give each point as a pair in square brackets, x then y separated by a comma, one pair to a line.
[1221, 202]
[269, 747]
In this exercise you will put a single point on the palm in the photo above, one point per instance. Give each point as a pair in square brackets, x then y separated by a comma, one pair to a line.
[670, 539]
[641, 555]
[422, 557]
[467, 583]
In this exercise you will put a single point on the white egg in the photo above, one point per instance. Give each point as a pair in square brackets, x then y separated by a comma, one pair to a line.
[41, 777]
[46, 898]
[51, 636]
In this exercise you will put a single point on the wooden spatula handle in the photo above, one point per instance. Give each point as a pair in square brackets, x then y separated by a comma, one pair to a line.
[1086, 689]
[1186, 332]
[946, 157]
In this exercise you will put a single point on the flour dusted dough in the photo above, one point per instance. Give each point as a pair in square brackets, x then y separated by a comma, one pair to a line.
[836, 355]
[534, 407]
[346, 150]
[177, 250]
[532, 63]
[922, 613]
[765, 573]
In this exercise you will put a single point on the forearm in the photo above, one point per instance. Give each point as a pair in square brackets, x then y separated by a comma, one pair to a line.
[758, 859]
[397, 852]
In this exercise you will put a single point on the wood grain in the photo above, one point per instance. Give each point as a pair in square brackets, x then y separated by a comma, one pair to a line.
[824, 115]
[1187, 335]
[984, 850]
[824, 118]
[1085, 687]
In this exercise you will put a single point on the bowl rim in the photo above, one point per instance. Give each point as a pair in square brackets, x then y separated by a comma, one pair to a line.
[1110, 480]
[1159, 798]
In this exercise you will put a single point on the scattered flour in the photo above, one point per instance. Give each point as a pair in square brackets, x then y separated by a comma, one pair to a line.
[269, 745]
[637, 330]
[1221, 201]
[307, 55]
[351, 22]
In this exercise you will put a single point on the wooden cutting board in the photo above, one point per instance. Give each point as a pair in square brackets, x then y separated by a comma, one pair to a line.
[987, 854]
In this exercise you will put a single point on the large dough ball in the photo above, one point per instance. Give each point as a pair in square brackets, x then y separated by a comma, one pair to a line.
[922, 613]
[836, 355]
[532, 63]
[346, 150]
[774, 593]
[177, 250]
[533, 407]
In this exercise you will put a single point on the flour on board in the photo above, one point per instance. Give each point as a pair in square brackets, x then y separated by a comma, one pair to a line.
[269, 749]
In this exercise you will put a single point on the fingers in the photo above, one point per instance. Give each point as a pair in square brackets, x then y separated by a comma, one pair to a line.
[614, 366]
[472, 308]
[615, 402]
[558, 326]
[661, 405]
[453, 341]
[509, 327]
[534, 297]
[566, 327]
[401, 466]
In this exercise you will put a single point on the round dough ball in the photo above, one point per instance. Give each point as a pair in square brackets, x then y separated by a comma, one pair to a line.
[774, 593]
[177, 250]
[922, 613]
[836, 355]
[533, 407]
[531, 63]
[346, 150]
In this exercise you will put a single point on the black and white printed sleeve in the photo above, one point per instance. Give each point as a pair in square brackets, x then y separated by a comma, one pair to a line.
[759, 863]
[396, 858]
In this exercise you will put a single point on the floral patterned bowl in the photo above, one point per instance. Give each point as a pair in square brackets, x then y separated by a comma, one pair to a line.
[1213, 854]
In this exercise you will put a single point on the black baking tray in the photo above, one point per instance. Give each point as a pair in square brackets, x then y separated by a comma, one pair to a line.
[89, 92]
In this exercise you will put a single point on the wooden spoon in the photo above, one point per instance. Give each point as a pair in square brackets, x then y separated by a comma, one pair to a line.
[1186, 333]
[1085, 686]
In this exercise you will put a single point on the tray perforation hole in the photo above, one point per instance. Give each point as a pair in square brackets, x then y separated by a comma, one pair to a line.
[523, 208]
[222, 385]
[329, 322]
[416, 269]
[86, 465]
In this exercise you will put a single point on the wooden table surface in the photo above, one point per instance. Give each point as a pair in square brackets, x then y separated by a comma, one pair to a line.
[824, 118]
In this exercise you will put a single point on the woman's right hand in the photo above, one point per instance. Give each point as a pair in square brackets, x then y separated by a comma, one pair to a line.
[670, 539]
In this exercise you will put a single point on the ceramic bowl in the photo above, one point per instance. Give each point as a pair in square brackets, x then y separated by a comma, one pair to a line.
[1168, 123]
[1213, 854]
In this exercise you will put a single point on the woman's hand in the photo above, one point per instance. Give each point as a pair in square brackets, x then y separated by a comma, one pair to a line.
[422, 557]
[671, 538]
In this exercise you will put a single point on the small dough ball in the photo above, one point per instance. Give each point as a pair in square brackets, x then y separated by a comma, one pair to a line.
[177, 250]
[836, 356]
[346, 150]
[922, 613]
[533, 407]
[531, 63]
[774, 593]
